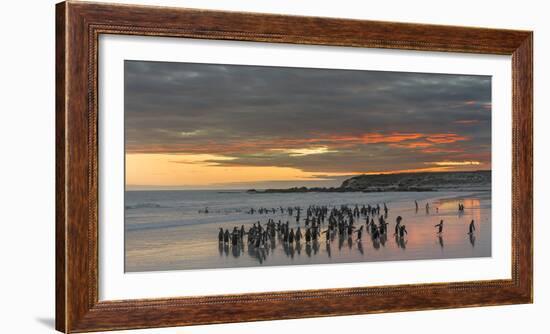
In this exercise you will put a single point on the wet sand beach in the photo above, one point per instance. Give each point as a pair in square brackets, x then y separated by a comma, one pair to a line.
[170, 230]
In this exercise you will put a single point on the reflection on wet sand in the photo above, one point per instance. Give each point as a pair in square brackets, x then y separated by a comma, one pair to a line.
[326, 234]
[401, 243]
[472, 240]
[343, 224]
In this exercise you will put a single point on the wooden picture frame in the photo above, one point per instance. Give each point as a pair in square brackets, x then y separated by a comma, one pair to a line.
[78, 26]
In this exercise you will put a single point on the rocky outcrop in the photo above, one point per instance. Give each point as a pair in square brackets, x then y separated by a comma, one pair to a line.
[428, 181]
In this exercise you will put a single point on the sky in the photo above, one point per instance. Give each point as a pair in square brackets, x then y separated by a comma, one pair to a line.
[215, 126]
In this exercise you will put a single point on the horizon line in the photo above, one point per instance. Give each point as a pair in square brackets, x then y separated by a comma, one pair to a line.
[206, 187]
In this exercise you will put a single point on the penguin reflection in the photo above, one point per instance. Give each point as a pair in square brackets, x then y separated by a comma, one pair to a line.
[292, 250]
[308, 249]
[401, 243]
[360, 248]
[286, 249]
[259, 254]
[375, 242]
[472, 240]
[236, 250]
[383, 239]
[298, 247]
[328, 249]
[315, 247]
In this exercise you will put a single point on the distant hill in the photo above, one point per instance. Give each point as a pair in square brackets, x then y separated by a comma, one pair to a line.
[427, 181]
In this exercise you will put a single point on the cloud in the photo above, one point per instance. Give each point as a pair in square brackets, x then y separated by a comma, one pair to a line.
[467, 121]
[190, 133]
[298, 152]
[454, 163]
[321, 120]
[445, 138]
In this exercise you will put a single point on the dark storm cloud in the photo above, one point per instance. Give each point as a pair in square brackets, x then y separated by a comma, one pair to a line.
[262, 115]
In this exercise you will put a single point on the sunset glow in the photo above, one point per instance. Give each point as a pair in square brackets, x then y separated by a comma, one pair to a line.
[197, 171]
[209, 126]
[456, 163]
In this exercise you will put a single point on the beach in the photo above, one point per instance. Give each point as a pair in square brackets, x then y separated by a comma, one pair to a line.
[178, 230]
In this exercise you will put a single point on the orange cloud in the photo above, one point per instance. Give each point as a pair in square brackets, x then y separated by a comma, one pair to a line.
[441, 150]
[394, 137]
[445, 138]
[420, 144]
[232, 146]
[454, 163]
[427, 141]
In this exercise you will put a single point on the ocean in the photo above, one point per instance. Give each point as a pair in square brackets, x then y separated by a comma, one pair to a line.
[178, 230]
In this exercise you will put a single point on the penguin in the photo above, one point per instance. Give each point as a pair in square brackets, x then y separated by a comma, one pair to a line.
[359, 233]
[472, 227]
[375, 232]
[402, 231]
[397, 224]
[440, 226]
[242, 232]
[285, 236]
[235, 236]
[298, 235]
[220, 235]
[308, 235]
[226, 236]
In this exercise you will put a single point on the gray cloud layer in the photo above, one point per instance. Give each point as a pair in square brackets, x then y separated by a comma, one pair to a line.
[257, 114]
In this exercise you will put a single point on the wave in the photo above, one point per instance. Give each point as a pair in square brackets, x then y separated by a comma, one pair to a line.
[197, 209]
[155, 225]
[143, 206]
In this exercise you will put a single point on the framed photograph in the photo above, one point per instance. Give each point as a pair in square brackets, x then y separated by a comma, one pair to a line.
[221, 167]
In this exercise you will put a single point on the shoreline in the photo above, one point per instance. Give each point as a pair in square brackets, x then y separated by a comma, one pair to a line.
[203, 250]
[377, 190]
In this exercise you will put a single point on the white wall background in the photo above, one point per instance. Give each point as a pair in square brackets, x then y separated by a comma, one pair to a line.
[27, 68]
